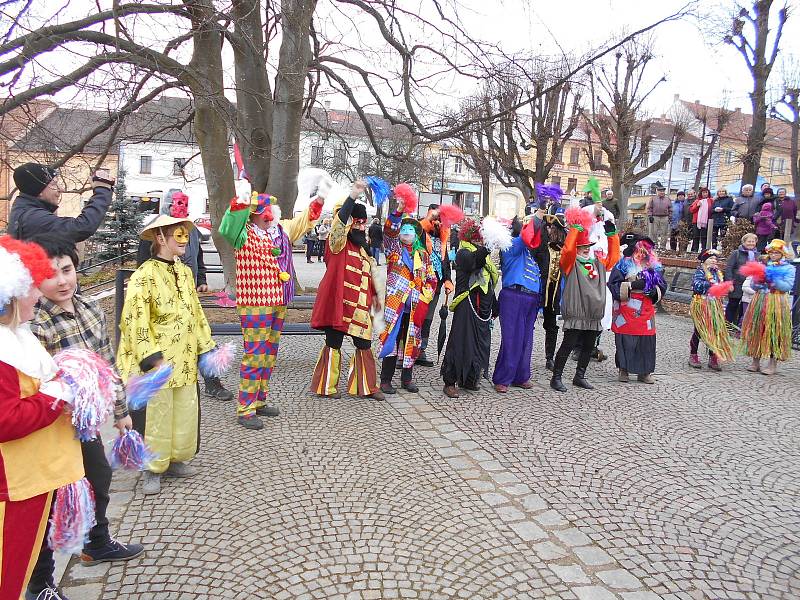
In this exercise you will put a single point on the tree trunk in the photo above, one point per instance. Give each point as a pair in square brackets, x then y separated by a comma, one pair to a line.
[211, 129]
[794, 159]
[484, 194]
[295, 55]
[757, 134]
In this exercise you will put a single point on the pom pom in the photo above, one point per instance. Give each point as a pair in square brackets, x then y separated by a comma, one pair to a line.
[652, 278]
[406, 193]
[450, 214]
[718, 290]
[593, 187]
[216, 362]
[140, 389]
[381, 189]
[32, 256]
[495, 235]
[130, 452]
[580, 217]
[780, 277]
[72, 517]
[754, 269]
[16, 281]
[284, 276]
[545, 192]
[312, 182]
[93, 384]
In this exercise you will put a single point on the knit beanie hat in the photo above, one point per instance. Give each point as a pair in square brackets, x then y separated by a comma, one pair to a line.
[32, 178]
[359, 211]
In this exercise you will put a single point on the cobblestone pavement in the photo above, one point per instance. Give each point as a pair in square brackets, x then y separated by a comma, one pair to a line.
[683, 489]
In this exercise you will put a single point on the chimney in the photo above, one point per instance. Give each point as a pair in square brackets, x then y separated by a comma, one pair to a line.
[697, 102]
[327, 105]
[738, 109]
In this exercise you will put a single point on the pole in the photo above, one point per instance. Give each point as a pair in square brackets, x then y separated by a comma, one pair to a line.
[441, 186]
[710, 162]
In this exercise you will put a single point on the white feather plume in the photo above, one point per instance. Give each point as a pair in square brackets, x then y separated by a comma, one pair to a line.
[495, 235]
[16, 281]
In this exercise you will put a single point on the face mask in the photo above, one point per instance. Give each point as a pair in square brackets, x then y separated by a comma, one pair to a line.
[181, 235]
[180, 206]
[407, 238]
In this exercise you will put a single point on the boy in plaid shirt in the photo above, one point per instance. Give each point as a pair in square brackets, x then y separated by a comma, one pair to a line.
[65, 319]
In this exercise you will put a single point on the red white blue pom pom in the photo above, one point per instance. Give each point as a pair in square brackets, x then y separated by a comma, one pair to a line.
[216, 362]
[72, 517]
[130, 452]
[93, 382]
[140, 389]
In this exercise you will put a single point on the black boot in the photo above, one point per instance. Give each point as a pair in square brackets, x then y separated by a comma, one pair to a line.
[549, 363]
[407, 383]
[422, 359]
[580, 379]
[215, 389]
[387, 373]
[556, 383]
[550, 341]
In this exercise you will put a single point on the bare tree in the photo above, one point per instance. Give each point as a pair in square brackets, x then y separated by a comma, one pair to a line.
[616, 122]
[714, 122]
[758, 43]
[788, 111]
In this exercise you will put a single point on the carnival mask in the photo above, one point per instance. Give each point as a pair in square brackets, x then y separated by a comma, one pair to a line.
[180, 205]
[181, 234]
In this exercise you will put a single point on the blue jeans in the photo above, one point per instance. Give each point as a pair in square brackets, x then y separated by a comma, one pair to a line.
[376, 253]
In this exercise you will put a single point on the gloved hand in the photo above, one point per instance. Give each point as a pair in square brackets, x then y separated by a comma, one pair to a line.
[637, 284]
[516, 227]
[481, 252]
[101, 178]
[650, 219]
[610, 227]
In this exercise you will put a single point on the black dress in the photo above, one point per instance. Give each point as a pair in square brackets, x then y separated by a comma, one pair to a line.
[470, 341]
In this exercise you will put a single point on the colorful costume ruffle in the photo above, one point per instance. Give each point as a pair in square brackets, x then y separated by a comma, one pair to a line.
[708, 316]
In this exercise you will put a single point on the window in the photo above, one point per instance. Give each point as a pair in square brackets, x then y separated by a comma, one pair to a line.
[177, 166]
[560, 155]
[598, 157]
[555, 180]
[459, 165]
[340, 156]
[645, 159]
[572, 185]
[364, 160]
[637, 190]
[728, 157]
[574, 155]
[317, 155]
[686, 164]
[777, 165]
[145, 165]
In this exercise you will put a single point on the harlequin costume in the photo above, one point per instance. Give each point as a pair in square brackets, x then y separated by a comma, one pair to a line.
[518, 306]
[583, 301]
[637, 285]
[345, 297]
[39, 451]
[474, 305]
[264, 288]
[410, 285]
[708, 315]
[767, 324]
[162, 320]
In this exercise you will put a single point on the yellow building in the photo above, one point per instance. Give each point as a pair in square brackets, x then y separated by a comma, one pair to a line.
[571, 170]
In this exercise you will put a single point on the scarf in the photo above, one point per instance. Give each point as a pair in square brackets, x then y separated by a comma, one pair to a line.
[489, 274]
[702, 214]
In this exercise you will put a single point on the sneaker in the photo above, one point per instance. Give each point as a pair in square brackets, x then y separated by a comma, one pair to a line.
[646, 378]
[623, 376]
[694, 361]
[48, 593]
[268, 410]
[713, 363]
[409, 386]
[112, 551]
[214, 389]
[388, 388]
[151, 483]
[250, 422]
[180, 470]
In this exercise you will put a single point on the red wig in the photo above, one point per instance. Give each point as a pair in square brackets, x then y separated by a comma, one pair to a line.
[32, 256]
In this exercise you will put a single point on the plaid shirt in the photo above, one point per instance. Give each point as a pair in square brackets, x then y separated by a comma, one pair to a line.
[58, 329]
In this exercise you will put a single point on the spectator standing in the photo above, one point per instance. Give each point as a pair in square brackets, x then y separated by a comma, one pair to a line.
[312, 240]
[746, 205]
[34, 210]
[701, 212]
[658, 214]
[765, 226]
[721, 212]
[680, 213]
[788, 212]
[323, 231]
[375, 239]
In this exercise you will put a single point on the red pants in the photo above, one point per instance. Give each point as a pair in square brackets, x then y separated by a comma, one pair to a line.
[22, 527]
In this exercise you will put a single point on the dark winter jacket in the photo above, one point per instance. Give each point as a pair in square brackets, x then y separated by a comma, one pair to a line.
[31, 215]
[744, 207]
[738, 257]
[721, 217]
[376, 235]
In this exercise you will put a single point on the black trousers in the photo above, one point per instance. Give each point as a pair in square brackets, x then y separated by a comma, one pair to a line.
[585, 339]
[426, 324]
[733, 310]
[334, 339]
[719, 231]
[389, 363]
[98, 472]
[551, 331]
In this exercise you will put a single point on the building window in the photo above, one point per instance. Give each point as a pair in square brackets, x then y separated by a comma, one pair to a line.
[560, 155]
[555, 180]
[340, 156]
[574, 155]
[598, 158]
[686, 164]
[728, 157]
[777, 165]
[637, 190]
[458, 167]
[572, 185]
[317, 155]
[177, 166]
[645, 159]
[364, 160]
[145, 165]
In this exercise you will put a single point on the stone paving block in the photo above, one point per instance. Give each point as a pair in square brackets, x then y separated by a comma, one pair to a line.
[509, 513]
[534, 502]
[593, 592]
[550, 518]
[88, 591]
[573, 537]
[592, 555]
[640, 596]
[549, 551]
[528, 531]
[619, 579]
[494, 499]
[570, 573]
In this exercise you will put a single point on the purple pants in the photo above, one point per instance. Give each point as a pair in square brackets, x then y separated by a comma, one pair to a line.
[518, 311]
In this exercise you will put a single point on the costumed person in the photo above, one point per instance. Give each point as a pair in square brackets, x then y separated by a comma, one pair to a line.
[518, 303]
[548, 257]
[351, 287]
[436, 238]
[599, 250]
[262, 245]
[583, 301]
[707, 313]
[410, 285]
[162, 323]
[474, 306]
[65, 319]
[767, 324]
[39, 451]
[637, 285]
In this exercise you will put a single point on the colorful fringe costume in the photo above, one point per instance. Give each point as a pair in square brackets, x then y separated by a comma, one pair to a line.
[344, 300]
[264, 288]
[767, 324]
[708, 315]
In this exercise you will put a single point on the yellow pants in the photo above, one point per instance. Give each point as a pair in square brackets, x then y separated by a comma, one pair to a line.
[171, 427]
